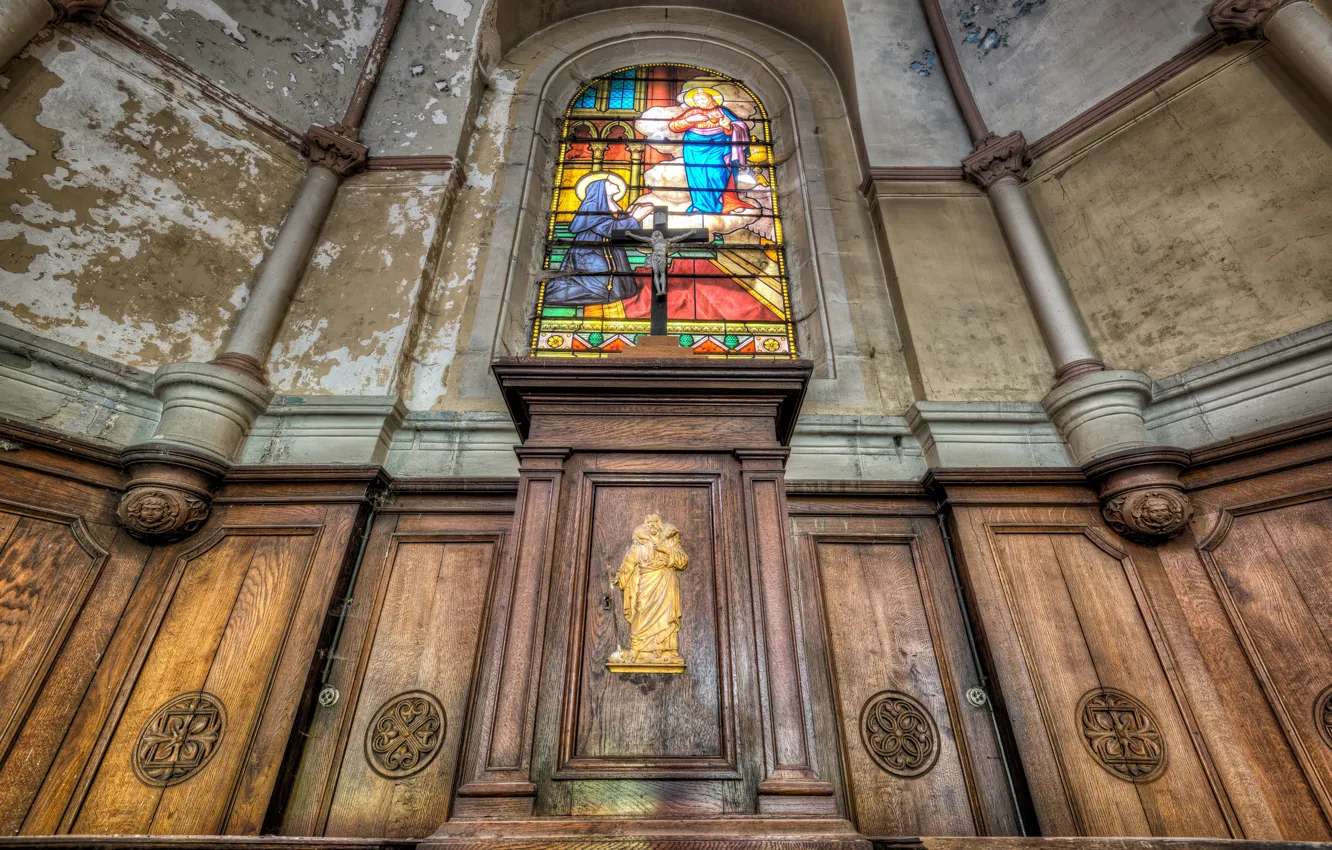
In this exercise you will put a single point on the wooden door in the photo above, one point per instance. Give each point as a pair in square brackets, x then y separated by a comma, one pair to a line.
[381, 762]
[918, 758]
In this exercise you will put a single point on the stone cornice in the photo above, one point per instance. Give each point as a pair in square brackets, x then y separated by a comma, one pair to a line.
[334, 148]
[77, 10]
[998, 158]
[1245, 19]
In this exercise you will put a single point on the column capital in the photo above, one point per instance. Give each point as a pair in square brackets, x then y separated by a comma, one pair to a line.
[335, 148]
[77, 10]
[996, 158]
[1245, 19]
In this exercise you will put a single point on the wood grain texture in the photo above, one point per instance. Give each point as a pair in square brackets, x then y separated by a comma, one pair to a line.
[424, 635]
[647, 724]
[883, 637]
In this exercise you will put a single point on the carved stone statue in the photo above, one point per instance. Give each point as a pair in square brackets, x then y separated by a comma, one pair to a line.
[651, 587]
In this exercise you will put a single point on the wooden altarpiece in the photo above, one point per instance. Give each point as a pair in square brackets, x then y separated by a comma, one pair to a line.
[561, 748]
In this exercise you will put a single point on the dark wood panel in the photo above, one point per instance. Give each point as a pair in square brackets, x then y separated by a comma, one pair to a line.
[882, 637]
[646, 722]
[1082, 630]
[425, 628]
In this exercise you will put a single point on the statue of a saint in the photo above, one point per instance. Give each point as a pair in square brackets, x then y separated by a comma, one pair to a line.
[647, 577]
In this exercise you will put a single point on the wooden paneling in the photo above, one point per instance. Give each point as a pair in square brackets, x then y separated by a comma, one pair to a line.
[640, 724]
[414, 623]
[886, 617]
[221, 631]
[879, 630]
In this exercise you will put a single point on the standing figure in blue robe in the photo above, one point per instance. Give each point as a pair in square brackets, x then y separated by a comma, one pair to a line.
[716, 148]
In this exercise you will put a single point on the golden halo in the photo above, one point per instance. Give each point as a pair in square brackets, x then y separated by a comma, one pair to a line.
[616, 189]
[716, 95]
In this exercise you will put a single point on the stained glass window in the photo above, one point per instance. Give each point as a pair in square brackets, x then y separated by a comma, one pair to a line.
[698, 144]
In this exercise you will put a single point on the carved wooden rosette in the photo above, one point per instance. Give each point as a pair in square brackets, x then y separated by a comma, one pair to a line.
[556, 730]
[1121, 735]
[1245, 19]
[1141, 494]
[77, 10]
[997, 158]
[334, 148]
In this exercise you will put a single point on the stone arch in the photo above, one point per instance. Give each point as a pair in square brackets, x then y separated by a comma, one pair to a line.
[820, 24]
[555, 63]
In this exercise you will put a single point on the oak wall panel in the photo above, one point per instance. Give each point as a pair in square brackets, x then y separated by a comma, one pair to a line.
[413, 624]
[885, 616]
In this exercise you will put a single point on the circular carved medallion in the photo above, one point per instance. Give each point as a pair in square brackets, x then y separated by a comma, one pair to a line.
[899, 734]
[179, 739]
[161, 513]
[1149, 516]
[1323, 715]
[405, 734]
[1121, 735]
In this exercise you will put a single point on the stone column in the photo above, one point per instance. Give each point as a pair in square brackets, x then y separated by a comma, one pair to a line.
[207, 408]
[1098, 411]
[21, 20]
[1295, 28]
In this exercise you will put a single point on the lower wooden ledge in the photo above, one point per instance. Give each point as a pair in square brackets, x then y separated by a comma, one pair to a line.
[744, 833]
[740, 832]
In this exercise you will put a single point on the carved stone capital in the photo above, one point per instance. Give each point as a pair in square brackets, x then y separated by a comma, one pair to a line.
[334, 148]
[1245, 19]
[997, 158]
[77, 10]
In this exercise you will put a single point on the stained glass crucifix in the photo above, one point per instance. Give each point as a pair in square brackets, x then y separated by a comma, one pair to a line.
[663, 241]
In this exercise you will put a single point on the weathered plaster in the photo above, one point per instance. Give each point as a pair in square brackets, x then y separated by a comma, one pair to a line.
[356, 307]
[1034, 65]
[297, 60]
[973, 337]
[907, 111]
[1196, 223]
[433, 380]
[135, 210]
[425, 95]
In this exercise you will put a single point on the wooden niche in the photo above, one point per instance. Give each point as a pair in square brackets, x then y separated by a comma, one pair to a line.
[582, 716]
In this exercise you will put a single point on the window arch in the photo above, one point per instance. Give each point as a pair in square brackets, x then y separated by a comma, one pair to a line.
[700, 144]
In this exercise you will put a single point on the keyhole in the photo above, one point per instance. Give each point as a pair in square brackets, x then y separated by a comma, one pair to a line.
[605, 603]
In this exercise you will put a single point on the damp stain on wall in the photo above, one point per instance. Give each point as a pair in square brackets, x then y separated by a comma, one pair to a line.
[135, 211]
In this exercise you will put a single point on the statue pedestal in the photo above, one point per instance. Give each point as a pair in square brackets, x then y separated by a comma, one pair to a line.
[558, 736]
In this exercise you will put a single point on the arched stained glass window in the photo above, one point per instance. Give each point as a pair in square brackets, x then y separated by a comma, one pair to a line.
[675, 145]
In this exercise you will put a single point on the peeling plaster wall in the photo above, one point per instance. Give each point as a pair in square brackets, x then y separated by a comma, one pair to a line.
[135, 213]
[357, 306]
[432, 381]
[1034, 65]
[297, 60]
[973, 336]
[1196, 222]
[424, 96]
